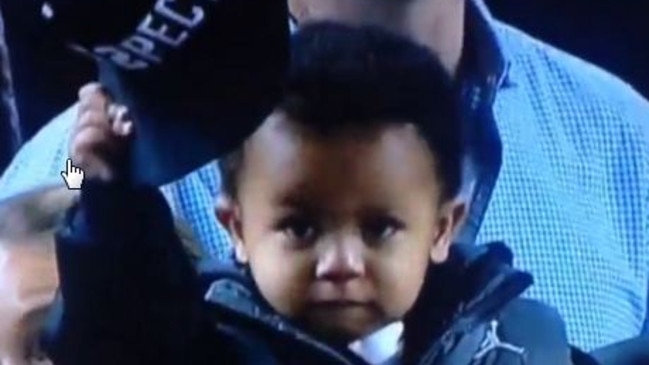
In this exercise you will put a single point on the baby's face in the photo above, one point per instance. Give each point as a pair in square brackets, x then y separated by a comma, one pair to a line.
[339, 231]
[28, 283]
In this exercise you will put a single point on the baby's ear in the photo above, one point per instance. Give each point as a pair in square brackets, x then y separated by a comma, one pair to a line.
[228, 214]
[451, 218]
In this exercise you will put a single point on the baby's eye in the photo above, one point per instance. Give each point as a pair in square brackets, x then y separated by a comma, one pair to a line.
[379, 229]
[299, 228]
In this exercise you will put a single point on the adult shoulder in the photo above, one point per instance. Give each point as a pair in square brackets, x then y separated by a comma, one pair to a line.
[603, 117]
[544, 69]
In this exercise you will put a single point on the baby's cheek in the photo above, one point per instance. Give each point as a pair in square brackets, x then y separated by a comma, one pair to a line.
[399, 282]
[283, 280]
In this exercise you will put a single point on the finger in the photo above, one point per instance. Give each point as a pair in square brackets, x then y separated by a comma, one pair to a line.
[123, 128]
[119, 112]
[128, 129]
[68, 165]
[89, 89]
[88, 142]
[93, 136]
[92, 118]
[121, 124]
[93, 97]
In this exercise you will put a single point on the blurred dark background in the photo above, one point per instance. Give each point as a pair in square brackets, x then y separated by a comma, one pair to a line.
[611, 33]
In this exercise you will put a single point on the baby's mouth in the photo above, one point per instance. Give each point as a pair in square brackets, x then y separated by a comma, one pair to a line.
[338, 303]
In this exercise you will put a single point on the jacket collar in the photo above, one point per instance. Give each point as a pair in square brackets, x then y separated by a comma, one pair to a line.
[488, 283]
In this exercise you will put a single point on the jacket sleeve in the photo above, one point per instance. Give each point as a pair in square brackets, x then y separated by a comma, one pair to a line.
[128, 293]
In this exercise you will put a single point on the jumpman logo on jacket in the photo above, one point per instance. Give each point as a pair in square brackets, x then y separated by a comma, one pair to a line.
[492, 342]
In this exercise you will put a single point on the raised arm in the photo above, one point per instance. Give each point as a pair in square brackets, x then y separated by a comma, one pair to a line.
[128, 293]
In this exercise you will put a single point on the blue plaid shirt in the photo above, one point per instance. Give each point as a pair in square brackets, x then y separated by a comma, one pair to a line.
[560, 171]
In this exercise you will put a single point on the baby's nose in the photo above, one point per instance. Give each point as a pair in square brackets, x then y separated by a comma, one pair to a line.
[341, 262]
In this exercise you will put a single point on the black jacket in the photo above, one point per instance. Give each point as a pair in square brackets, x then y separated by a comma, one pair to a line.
[130, 296]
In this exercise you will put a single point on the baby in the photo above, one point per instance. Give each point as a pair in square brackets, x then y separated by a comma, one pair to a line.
[342, 209]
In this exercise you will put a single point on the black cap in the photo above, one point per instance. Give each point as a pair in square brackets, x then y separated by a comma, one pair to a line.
[198, 76]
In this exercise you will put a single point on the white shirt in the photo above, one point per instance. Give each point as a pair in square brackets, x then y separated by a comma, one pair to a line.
[379, 346]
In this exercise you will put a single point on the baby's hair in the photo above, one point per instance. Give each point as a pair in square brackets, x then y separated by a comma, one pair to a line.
[344, 77]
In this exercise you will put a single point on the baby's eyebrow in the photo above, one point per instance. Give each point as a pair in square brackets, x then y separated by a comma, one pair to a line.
[304, 205]
[301, 209]
[293, 199]
[376, 213]
[299, 204]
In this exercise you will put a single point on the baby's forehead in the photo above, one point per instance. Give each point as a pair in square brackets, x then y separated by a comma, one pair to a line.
[283, 138]
[288, 155]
